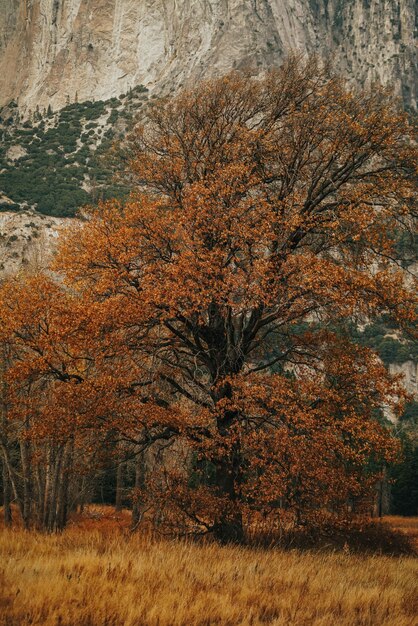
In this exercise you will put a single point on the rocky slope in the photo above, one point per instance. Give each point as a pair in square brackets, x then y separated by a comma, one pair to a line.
[27, 241]
[51, 50]
[409, 369]
[58, 162]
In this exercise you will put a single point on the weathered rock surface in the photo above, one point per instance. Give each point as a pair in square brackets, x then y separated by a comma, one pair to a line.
[54, 49]
[409, 371]
[27, 241]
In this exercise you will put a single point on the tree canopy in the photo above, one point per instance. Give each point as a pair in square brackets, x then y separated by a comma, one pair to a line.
[199, 318]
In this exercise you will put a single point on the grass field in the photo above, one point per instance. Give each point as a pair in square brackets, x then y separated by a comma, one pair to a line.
[95, 574]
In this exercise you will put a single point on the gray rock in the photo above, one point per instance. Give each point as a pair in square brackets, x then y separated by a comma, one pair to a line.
[52, 49]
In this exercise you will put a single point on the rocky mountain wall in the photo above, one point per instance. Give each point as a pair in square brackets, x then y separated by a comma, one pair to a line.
[27, 241]
[53, 50]
[409, 370]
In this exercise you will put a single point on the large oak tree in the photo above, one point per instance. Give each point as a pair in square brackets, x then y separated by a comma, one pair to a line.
[262, 218]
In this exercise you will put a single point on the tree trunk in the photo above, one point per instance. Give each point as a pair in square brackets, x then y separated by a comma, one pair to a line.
[51, 489]
[80, 502]
[229, 527]
[25, 455]
[228, 476]
[10, 471]
[40, 484]
[47, 489]
[139, 484]
[7, 509]
[119, 484]
[7, 479]
[62, 504]
[53, 509]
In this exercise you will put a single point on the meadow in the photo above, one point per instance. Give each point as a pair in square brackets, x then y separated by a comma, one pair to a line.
[96, 574]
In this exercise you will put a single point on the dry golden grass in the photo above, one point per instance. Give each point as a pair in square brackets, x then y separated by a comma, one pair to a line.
[94, 574]
[405, 525]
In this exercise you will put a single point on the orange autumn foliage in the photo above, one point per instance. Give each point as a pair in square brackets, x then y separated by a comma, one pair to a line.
[195, 313]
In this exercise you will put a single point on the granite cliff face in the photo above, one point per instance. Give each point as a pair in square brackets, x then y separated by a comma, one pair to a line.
[409, 370]
[51, 50]
[27, 241]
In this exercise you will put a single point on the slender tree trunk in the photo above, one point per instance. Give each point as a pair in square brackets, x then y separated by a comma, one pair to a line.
[47, 488]
[53, 475]
[10, 471]
[382, 495]
[40, 485]
[81, 498]
[7, 486]
[53, 499]
[62, 504]
[119, 483]
[139, 484]
[25, 455]
[7, 509]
